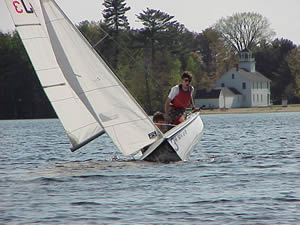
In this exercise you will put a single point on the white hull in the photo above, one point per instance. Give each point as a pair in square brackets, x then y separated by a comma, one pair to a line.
[178, 142]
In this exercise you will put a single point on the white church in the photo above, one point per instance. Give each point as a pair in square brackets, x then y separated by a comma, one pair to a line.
[240, 87]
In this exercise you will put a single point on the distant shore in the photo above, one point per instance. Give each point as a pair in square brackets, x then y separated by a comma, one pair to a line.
[269, 109]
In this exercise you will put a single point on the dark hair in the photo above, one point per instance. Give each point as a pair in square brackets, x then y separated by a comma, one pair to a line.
[186, 74]
[158, 116]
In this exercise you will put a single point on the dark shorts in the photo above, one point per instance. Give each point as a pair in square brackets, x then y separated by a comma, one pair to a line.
[174, 114]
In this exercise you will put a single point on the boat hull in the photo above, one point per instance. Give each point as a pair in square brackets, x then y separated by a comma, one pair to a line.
[163, 153]
[178, 142]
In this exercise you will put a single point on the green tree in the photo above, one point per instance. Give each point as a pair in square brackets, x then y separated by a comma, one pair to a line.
[293, 90]
[155, 23]
[217, 58]
[114, 14]
[92, 31]
[271, 60]
[116, 20]
[21, 95]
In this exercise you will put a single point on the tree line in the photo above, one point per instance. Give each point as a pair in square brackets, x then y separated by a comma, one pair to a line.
[149, 60]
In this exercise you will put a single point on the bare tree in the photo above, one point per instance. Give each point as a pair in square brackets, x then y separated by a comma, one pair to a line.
[244, 30]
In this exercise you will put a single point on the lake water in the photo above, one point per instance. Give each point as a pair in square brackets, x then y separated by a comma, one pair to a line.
[245, 170]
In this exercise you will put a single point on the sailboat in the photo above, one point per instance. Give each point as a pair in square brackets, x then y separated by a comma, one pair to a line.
[87, 96]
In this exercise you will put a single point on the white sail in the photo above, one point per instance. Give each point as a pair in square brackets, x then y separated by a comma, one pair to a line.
[98, 88]
[79, 124]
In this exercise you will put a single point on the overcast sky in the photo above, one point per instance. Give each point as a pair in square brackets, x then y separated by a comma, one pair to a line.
[196, 15]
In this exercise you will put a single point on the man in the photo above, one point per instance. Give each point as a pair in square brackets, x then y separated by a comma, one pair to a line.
[179, 98]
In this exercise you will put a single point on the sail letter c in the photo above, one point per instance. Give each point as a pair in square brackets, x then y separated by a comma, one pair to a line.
[16, 5]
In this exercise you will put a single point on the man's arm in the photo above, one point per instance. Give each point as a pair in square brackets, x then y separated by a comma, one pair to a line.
[193, 103]
[167, 108]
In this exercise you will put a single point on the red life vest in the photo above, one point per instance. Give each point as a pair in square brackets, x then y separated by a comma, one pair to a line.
[182, 100]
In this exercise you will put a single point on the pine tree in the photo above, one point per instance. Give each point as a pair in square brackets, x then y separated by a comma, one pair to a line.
[114, 14]
[156, 24]
[115, 19]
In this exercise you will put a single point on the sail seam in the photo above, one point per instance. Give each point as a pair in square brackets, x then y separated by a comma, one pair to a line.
[51, 68]
[63, 99]
[54, 20]
[32, 38]
[83, 127]
[131, 121]
[102, 88]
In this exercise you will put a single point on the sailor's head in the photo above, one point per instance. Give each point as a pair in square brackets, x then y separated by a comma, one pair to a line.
[158, 117]
[186, 78]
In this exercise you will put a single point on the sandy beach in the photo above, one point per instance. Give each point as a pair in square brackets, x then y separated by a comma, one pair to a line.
[271, 109]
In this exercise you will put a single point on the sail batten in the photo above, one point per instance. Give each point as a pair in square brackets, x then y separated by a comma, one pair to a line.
[28, 24]
[54, 85]
[96, 89]
[124, 123]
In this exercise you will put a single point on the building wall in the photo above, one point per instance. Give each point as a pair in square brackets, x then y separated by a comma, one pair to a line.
[233, 101]
[260, 94]
[237, 101]
[227, 101]
[233, 79]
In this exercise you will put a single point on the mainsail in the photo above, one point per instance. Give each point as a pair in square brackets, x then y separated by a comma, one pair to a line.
[99, 89]
[71, 71]
[79, 124]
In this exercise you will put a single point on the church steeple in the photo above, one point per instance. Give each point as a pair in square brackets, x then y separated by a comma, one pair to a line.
[247, 61]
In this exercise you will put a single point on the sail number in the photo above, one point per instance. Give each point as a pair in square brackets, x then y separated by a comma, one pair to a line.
[19, 9]
[152, 135]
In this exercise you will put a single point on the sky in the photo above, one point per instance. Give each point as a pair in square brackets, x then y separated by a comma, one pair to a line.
[196, 15]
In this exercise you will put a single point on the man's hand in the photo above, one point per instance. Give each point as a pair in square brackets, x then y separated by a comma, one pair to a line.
[196, 109]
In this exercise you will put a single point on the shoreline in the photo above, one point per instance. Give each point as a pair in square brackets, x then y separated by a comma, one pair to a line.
[268, 109]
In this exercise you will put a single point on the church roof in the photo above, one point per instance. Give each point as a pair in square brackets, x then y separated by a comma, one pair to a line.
[236, 92]
[215, 93]
[253, 76]
[207, 93]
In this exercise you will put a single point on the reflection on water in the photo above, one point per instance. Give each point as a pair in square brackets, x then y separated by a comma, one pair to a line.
[245, 170]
